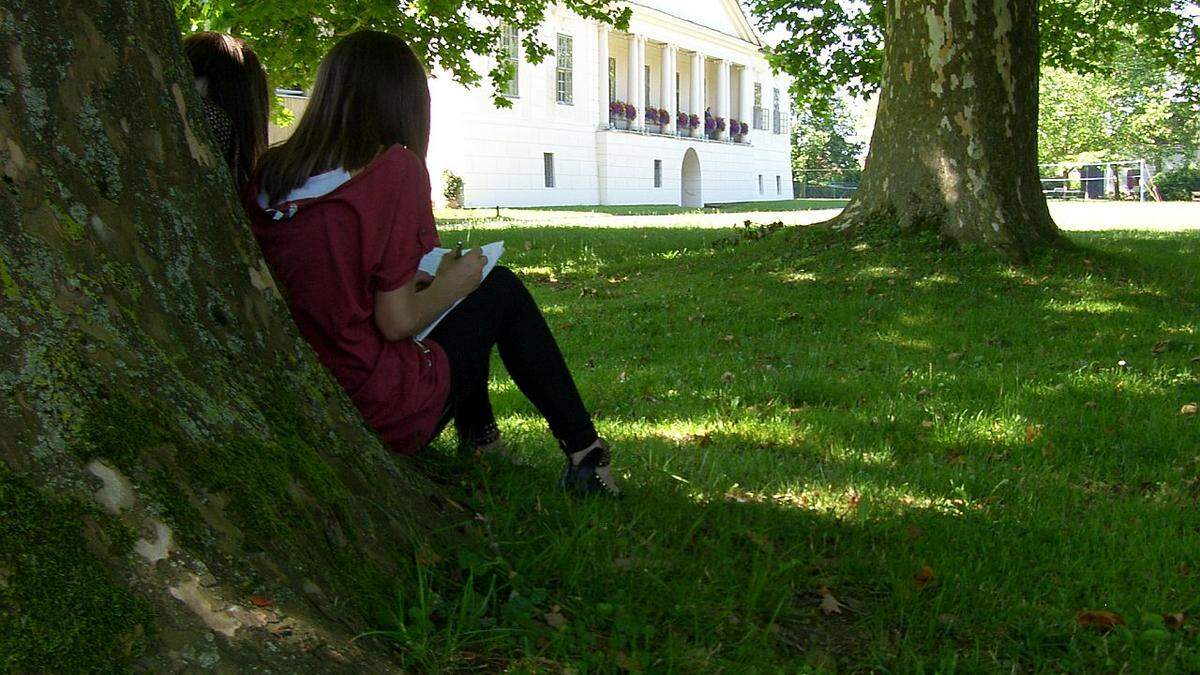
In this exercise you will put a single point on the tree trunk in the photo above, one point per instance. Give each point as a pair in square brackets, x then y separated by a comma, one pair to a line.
[181, 484]
[954, 148]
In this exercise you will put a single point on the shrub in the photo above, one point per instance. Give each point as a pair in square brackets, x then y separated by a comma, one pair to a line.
[1177, 185]
[452, 189]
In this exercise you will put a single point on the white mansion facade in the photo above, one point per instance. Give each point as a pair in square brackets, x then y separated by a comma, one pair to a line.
[577, 132]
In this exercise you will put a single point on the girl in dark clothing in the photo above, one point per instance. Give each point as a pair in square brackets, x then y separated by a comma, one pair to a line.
[233, 84]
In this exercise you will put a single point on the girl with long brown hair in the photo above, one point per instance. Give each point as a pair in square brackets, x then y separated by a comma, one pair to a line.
[233, 84]
[342, 212]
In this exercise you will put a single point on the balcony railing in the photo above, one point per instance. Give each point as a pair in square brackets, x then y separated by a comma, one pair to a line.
[779, 123]
[760, 118]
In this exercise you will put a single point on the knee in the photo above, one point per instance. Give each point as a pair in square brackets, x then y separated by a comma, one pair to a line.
[504, 275]
[503, 278]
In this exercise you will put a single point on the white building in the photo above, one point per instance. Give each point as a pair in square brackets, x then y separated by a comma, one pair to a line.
[559, 144]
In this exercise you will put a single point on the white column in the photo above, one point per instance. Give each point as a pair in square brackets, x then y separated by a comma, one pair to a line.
[602, 78]
[632, 77]
[746, 108]
[641, 82]
[668, 85]
[723, 93]
[697, 107]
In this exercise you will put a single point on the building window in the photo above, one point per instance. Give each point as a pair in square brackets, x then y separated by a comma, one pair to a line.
[646, 101]
[548, 165]
[760, 113]
[510, 50]
[563, 74]
[776, 114]
[778, 185]
[760, 184]
[612, 79]
[658, 173]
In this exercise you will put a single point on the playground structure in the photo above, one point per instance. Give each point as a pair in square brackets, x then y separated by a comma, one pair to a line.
[1123, 180]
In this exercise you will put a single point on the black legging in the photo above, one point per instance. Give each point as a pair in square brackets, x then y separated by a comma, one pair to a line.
[501, 312]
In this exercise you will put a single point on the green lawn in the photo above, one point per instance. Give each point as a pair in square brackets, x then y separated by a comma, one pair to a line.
[654, 209]
[964, 455]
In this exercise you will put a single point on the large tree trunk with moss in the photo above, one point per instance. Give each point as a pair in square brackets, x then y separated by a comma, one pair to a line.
[954, 148]
[181, 484]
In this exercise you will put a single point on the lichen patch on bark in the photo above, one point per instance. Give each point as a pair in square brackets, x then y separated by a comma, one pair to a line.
[200, 151]
[116, 493]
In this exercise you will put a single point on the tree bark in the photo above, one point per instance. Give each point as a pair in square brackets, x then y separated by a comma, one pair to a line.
[182, 486]
[954, 149]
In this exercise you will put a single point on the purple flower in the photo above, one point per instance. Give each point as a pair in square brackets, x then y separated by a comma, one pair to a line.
[681, 120]
[694, 121]
[745, 128]
[630, 111]
[664, 117]
[651, 116]
[720, 124]
[710, 124]
[616, 109]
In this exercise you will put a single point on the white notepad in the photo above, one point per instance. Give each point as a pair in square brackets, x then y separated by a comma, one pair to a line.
[429, 265]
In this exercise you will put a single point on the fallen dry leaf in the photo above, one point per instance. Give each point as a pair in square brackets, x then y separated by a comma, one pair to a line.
[727, 377]
[923, 578]
[1188, 409]
[1173, 620]
[1161, 346]
[554, 619]
[853, 499]
[1099, 619]
[259, 601]
[955, 356]
[727, 338]
[1032, 432]
[926, 424]
[914, 532]
[829, 604]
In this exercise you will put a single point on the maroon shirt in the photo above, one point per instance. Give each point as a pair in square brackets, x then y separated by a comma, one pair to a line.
[331, 256]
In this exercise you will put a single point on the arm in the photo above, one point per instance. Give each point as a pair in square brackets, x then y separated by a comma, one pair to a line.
[403, 312]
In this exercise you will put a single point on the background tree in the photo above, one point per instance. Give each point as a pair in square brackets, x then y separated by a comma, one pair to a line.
[174, 463]
[1139, 110]
[821, 148]
[954, 147]
[291, 37]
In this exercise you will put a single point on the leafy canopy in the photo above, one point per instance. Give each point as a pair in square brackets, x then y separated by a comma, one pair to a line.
[836, 43]
[1136, 111]
[821, 146]
[291, 36]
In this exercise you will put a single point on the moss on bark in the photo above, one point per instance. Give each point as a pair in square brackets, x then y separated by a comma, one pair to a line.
[170, 442]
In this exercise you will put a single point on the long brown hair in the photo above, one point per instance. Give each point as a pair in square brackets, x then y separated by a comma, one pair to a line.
[236, 82]
[371, 93]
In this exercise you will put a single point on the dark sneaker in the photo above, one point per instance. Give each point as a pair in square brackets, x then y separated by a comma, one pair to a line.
[588, 472]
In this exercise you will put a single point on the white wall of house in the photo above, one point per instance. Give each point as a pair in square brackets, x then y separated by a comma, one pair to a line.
[500, 153]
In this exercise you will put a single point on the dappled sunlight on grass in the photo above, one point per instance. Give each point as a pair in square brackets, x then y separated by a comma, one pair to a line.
[803, 412]
[1087, 306]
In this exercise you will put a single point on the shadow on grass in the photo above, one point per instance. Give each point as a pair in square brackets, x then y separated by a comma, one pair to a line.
[963, 453]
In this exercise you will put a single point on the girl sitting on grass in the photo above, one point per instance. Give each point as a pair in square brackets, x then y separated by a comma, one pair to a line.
[342, 212]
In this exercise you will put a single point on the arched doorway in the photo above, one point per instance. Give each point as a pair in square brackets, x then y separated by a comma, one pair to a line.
[690, 195]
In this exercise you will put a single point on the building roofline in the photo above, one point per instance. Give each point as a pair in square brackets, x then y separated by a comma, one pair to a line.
[740, 13]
